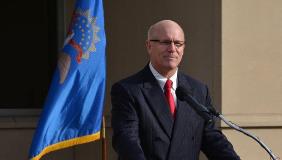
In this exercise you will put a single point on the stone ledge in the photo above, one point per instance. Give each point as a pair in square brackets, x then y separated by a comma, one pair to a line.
[15, 119]
[255, 120]
[18, 122]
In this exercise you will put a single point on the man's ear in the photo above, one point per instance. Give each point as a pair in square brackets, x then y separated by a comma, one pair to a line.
[148, 46]
[147, 42]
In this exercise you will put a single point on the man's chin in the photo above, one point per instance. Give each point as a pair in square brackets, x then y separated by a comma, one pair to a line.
[171, 66]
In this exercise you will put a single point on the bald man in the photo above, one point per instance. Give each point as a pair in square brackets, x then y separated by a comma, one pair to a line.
[149, 122]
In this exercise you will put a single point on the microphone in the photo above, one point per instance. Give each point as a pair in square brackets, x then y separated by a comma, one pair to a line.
[204, 112]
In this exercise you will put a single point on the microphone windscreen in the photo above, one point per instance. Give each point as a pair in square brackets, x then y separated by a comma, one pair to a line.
[181, 93]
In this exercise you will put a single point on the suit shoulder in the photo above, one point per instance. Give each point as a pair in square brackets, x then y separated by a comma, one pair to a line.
[131, 80]
[192, 81]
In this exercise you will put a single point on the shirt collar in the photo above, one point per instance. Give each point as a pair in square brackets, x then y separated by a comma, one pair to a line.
[161, 79]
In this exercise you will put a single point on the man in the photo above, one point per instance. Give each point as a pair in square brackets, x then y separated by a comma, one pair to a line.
[149, 121]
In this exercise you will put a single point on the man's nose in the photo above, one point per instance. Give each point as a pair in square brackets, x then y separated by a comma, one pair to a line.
[171, 47]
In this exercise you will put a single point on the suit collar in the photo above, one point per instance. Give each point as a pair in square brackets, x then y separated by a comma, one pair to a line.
[149, 80]
[182, 81]
[161, 79]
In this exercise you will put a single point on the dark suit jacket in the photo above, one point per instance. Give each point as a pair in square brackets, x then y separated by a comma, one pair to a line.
[143, 127]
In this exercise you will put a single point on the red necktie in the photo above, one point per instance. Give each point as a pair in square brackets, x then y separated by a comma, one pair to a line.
[169, 97]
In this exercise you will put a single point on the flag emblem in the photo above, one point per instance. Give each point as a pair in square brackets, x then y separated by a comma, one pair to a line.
[82, 37]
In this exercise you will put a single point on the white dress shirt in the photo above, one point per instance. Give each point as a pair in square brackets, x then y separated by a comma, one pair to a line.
[162, 80]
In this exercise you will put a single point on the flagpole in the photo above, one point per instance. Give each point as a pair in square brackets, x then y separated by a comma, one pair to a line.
[104, 142]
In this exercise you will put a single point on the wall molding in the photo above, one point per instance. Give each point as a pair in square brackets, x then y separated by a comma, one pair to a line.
[255, 120]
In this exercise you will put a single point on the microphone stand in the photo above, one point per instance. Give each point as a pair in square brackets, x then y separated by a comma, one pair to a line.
[237, 128]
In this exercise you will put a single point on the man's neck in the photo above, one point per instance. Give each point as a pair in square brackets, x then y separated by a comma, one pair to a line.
[164, 72]
[168, 73]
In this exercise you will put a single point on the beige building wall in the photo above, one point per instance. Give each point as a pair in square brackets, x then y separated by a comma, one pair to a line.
[252, 73]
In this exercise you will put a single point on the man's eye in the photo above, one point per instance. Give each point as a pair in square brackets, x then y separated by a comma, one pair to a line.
[166, 42]
[177, 43]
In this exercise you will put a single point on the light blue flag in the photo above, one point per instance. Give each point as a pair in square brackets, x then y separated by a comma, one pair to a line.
[72, 112]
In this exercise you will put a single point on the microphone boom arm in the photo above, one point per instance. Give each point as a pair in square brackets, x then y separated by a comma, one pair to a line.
[239, 129]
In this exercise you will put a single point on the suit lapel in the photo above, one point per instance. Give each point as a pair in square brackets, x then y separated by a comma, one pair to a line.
[156, 100]
[185, 121]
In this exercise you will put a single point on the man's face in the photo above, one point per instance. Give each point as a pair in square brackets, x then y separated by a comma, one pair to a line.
[166, 47]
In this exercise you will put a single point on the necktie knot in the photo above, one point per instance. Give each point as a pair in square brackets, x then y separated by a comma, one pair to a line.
[168, 84]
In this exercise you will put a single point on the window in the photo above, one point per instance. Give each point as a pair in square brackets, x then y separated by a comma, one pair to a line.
[28, 52]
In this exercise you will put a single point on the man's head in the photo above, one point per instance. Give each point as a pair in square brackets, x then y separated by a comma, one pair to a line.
[165, 45]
